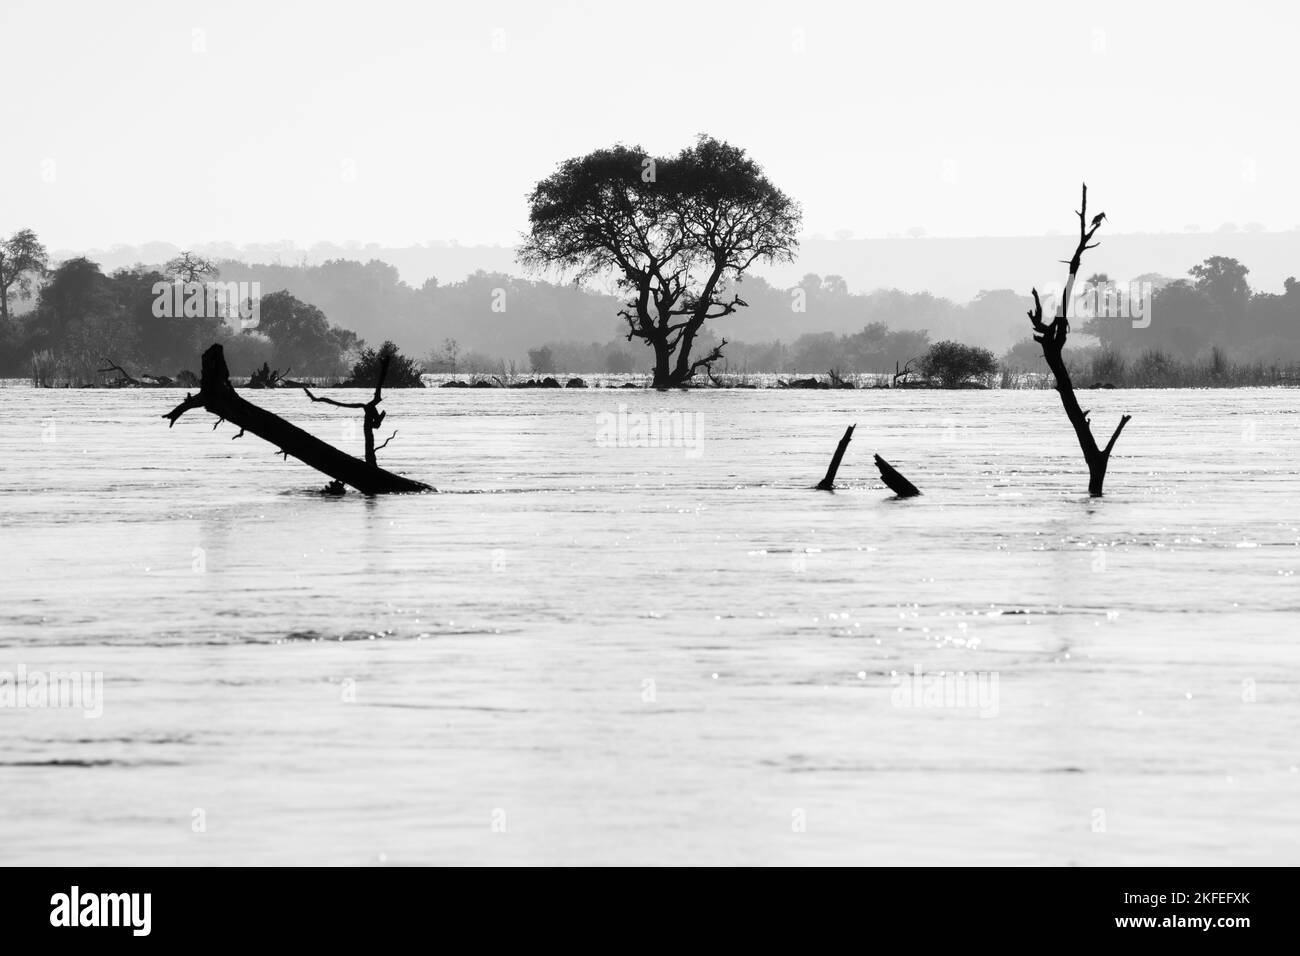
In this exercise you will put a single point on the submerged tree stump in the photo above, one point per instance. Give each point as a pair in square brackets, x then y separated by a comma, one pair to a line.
[218, 396]
[894, 481]
[828, 483]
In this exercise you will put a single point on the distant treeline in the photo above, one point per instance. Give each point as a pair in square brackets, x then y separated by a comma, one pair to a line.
[314, 319]
[84, 319]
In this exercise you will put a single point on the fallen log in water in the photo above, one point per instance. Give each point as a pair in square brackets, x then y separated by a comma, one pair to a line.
[126, 380]
[218, 396]
[896, 482]
[828, 483]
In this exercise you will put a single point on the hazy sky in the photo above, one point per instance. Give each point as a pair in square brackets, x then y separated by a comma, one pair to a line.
[405, 122]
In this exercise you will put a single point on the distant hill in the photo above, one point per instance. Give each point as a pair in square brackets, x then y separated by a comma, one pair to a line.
[960, 268]
[952, 268]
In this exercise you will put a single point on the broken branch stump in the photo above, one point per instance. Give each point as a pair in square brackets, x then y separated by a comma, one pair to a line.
[896, 482]
[828, 483]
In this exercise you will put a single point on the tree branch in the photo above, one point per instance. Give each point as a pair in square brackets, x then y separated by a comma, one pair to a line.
[708, 360]
[1124, 420]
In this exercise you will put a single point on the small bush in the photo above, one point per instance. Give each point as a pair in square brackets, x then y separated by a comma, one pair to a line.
[402, 371]
[954, 364]
[1154, 367]
[1109, 366]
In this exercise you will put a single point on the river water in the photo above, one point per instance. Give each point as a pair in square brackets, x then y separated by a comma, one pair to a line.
[588, 649]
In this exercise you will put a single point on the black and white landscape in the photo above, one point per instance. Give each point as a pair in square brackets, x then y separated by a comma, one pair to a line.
[578, 433]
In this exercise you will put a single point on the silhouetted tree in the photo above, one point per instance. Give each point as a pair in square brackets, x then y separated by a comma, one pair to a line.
[1223, 279]
[188, 267]
[22, 259]
[301, 337]
[1277, 317]
[1051, 336]
[80, 320]
[165, 342]
[1189, 319]
[817, 351]
[678, 233]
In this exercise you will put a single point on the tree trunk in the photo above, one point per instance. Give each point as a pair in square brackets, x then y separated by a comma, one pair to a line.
[663, 376]
[219, 397]
[1051, 336]
[1096, 458]
[369, 424]
[682, 372]
[828, 483]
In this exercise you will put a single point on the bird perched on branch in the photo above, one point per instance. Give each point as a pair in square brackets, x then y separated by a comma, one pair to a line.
[1096, 220]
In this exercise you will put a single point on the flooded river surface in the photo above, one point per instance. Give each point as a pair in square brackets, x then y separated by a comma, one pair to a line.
[586, 649]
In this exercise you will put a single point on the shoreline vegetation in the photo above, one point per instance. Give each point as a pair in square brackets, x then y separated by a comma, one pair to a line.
[1097, 371]
[947, 366]
[297, 338]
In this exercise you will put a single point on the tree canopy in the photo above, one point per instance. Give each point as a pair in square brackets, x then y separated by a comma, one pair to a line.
[22, 259]
[677, 233]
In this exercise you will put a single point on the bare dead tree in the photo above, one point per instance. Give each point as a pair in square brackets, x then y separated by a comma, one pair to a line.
[904, 372]
[218, 396]
[373, 417]
[828, 483]
[1051, 336]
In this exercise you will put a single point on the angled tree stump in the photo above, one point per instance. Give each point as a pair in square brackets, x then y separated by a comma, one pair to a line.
[218, 396]
[828, 483]
[894, 481]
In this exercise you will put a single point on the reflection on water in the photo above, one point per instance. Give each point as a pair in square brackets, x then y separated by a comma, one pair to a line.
[657, 646]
